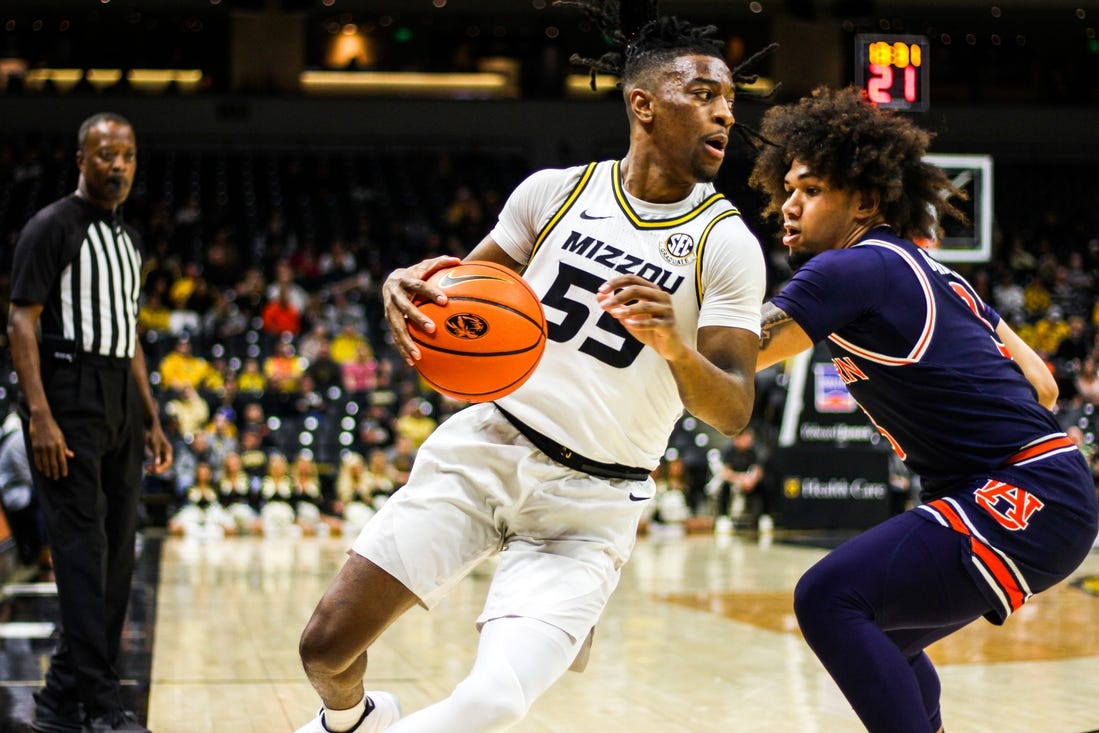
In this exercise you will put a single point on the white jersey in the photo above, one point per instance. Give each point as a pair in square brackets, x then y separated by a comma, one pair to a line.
[598, 390]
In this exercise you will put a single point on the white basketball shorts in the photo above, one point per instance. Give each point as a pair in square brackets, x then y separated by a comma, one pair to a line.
[478, 488]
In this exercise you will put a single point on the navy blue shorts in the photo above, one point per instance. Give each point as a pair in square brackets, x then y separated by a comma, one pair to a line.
[1029, 524]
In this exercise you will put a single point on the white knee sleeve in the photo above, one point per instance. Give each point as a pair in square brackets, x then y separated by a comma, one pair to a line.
[517, 660]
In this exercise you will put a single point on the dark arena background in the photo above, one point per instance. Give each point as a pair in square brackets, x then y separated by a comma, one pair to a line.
[307, 147]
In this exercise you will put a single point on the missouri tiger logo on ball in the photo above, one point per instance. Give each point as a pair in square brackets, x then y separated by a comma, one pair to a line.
[467, 326]
[491, 332]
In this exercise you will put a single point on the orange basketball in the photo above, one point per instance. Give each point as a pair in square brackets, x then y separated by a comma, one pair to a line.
[489, 336]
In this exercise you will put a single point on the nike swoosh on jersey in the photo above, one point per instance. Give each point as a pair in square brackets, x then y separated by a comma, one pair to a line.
[639, 498]
[447, 279]
[585, 215]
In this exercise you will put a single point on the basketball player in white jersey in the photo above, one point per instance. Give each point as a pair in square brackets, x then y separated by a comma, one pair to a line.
[652, 285]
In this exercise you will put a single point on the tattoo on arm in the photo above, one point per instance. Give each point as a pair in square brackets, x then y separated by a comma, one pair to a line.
[772, 320]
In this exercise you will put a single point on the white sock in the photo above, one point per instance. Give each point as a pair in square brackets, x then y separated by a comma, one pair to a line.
[339, 721]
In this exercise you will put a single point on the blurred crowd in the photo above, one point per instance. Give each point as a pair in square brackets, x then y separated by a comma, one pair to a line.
[287, 407]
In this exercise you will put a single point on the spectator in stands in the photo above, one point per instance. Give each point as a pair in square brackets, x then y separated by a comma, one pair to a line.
[375, 427]
[238, 492]
[194, 449]
[221, 261]
[1020, 260]
[153, 315]
[309, 400]
[189, 409]
[180, 291]
[1086, 381]
[283, 370]
[345, 344]
[181, 368]
[670, 504]
[1036, 297]
[280, 315]
[251, 293]
[278, 494]
[741, 496]
[223, 321]
[223, 435]
[308, 500]
[1007, 296]
[338, 262]
[310, 342]
[200, 513]
[1077, 343]
[17, 492]
[352, 484]
[305, 262]
[200, 299]
[401, 455]
[274, 243]
[342, 314]
[1067, 294]
[251, 382]
[360, 375]
[253, 419]
[414, 421]
[285, 286]
[322, 367]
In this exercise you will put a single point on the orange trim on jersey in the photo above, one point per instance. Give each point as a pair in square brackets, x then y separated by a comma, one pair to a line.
[924, 341]
[1052, 444]
[1005, 578]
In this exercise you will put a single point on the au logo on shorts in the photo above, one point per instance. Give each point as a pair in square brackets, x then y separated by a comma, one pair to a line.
[466, 326]
[678, 249]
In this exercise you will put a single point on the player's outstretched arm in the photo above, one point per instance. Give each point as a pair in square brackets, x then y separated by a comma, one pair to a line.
[780, 337]
[1034, 368]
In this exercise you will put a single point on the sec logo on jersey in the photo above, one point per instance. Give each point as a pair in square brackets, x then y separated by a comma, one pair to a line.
[678, 249]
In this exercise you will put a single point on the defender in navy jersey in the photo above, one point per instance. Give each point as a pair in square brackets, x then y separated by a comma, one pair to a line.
[1009, 503]
[652, 286]
[88, 414]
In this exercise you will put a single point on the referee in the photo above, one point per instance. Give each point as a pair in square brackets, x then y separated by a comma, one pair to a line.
[88, 412]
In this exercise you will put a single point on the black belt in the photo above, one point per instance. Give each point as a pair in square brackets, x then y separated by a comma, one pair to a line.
[568, 457]
[63, 350]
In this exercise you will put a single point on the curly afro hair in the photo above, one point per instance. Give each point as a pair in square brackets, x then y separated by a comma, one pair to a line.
[852, 144]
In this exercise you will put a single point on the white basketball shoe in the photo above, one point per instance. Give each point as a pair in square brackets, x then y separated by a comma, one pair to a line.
[386, 712]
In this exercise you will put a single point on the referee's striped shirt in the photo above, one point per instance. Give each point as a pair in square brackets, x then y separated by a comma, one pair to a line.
[83, 265]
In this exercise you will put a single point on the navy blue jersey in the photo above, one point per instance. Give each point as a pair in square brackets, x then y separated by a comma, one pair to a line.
[917, 349]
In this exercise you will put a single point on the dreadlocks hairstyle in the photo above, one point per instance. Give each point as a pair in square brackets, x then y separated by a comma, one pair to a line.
[644, 39]
[852, 144]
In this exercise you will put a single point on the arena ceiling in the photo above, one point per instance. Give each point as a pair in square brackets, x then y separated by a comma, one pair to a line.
[720, 8]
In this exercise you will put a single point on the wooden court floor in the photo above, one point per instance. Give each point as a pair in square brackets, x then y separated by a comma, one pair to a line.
[699, 638]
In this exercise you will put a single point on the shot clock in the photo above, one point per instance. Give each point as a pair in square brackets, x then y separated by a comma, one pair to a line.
[893, 70]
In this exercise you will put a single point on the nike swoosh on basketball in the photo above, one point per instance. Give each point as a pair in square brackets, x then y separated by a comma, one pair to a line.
[447, 279]
[585, 215]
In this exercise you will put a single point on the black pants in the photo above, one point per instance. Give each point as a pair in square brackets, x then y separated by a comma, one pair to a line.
[91, 521]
